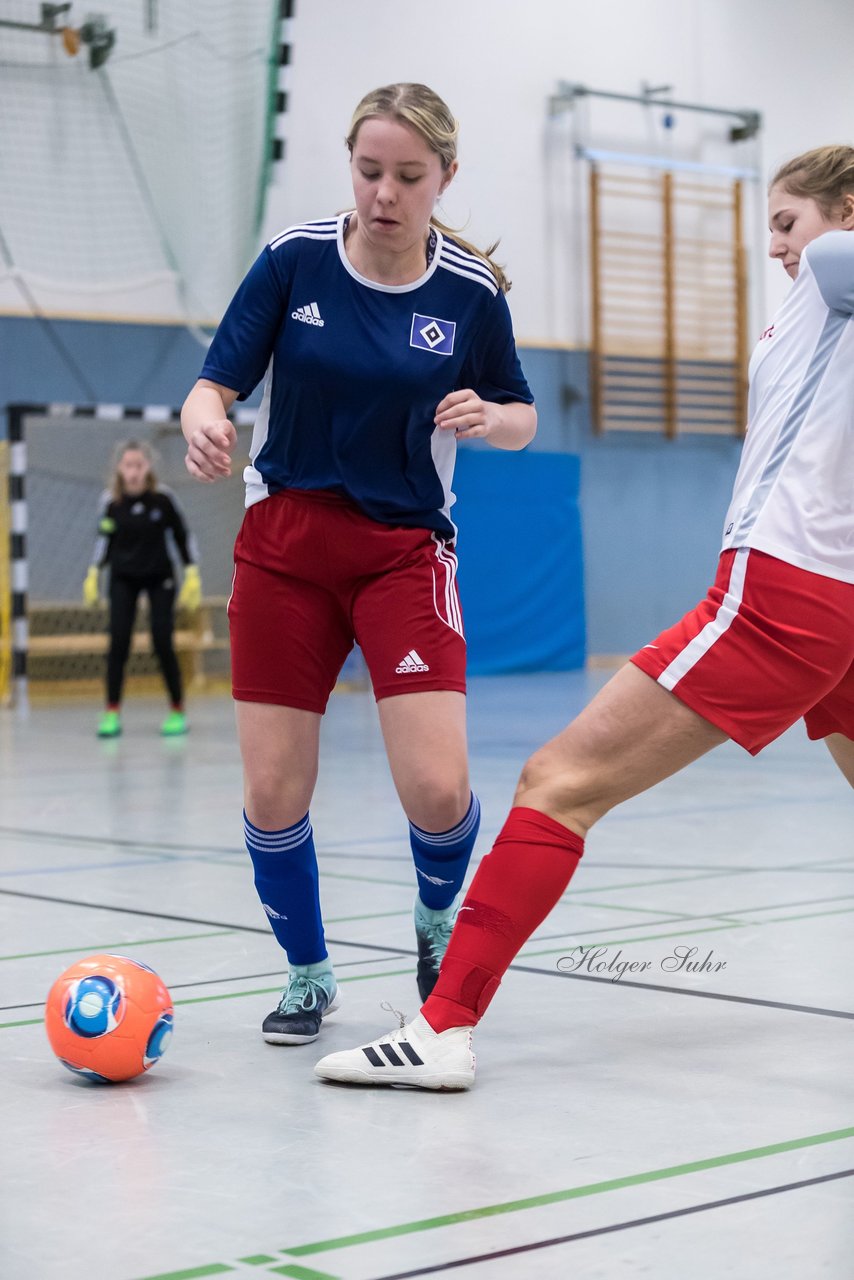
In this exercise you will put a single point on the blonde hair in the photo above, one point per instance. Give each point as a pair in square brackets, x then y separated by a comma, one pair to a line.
[116, 485]
[423, 111]
[825, 175]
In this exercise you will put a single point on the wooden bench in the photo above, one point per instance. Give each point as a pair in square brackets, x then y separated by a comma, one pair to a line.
[99, 642]
[61, 630]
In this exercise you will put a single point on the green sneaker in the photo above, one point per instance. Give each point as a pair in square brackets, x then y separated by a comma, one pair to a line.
[174, 724]
[110, 725]
[433, 931]
[304, 1004]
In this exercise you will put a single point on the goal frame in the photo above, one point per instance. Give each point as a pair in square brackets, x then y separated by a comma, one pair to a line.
[17, 643]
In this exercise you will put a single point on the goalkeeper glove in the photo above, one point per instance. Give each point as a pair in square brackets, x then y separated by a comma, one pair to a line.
[190, 596]
[91, 593]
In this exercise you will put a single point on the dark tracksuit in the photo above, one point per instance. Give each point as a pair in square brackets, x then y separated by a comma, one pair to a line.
[133, 539]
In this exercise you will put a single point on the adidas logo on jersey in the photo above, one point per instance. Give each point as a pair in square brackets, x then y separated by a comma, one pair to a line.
[410, 664]
[308, 315]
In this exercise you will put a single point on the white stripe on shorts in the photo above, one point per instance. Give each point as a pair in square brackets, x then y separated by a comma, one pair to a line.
[452, 617]
[712, 631]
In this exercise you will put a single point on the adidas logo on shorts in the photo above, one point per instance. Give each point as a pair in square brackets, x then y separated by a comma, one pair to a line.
[410, 664]
[308, 315]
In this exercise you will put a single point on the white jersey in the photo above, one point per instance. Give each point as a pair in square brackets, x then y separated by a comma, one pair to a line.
[794, 492]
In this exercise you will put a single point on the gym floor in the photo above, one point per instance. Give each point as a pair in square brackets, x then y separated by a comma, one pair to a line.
[665, 1123]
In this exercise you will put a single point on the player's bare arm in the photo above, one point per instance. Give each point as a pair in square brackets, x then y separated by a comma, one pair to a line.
[505, 426]
[209, 434]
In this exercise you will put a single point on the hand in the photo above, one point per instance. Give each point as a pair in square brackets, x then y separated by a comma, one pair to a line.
[91, 590]
[190, 595]
[469, 417]
[209, 450]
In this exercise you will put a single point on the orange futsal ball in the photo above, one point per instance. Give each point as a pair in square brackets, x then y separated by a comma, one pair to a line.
[108, 1018]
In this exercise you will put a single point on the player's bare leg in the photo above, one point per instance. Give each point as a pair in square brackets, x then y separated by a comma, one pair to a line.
[632, 735]
[279, 747]
[425, 740]
[842, 750]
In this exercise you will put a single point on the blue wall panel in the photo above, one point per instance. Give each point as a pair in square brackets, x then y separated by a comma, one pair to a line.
[521, 567]
[652, 509]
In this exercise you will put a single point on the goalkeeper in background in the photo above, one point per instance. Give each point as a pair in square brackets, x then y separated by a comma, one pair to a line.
[139, 530]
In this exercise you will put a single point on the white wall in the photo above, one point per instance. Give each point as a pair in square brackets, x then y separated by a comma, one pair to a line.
[496, 62]
[112, 199]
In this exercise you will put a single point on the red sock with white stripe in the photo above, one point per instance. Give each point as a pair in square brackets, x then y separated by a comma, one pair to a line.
[515, 888]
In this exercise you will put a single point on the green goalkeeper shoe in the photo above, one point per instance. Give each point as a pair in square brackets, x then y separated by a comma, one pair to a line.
[174, 725]
[110, 725]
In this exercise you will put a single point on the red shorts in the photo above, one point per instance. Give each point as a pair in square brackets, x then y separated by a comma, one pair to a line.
[769, 644]
[311, 575]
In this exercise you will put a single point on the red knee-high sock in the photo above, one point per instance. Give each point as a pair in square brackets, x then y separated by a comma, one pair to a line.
[515, 888]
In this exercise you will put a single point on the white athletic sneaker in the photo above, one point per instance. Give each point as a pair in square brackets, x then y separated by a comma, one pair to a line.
[414, 1055]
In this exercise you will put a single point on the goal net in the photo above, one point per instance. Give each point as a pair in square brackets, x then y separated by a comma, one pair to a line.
[134, 154]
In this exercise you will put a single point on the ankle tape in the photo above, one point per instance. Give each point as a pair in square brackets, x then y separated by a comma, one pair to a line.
[467, 984]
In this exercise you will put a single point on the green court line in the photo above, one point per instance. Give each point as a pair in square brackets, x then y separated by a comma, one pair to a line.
[193, 1273]
[687, 918]
[111, 842]
[690, 932]
[292, 1269]
[685, 921]
[780, 906]
[235, 995]
[732, 917]
[644, 884]
[301, 1273]
[108, 946]
[343, 875]
[572, 1193]
[649, 911]
[616, 942]
[510, 1206]
[266, 991]
[373, 915]
[232, 995]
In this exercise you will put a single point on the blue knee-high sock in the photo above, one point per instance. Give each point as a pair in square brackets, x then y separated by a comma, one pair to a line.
[286, 879]
[441, 859]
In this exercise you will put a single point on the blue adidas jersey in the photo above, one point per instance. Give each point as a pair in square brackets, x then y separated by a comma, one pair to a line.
[354, 371]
